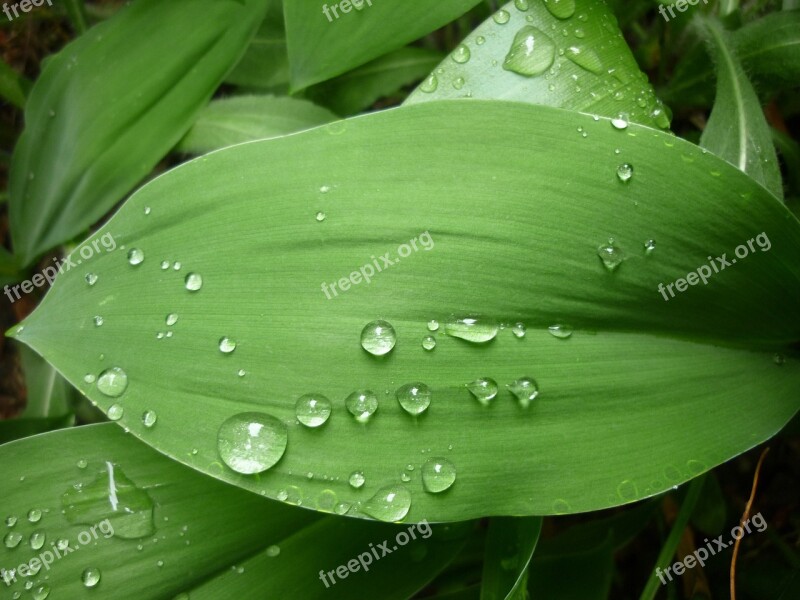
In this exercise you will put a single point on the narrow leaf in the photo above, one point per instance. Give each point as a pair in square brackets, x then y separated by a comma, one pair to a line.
[509, 548]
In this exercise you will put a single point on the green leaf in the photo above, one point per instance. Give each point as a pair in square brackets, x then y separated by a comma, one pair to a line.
[360, 88]
[625, 404]
[246, 118]
[322, 47]
[581, 63]
[13, 86]
[509, 548]
[737, 129]
[110, 105]
[77, 14]
[232, 540]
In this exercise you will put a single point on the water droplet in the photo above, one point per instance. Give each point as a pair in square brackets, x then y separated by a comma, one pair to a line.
[522, 5]
[389, 504]
[312, 410]
[461, 54]
[251, 442]
[472, 328]
[525, 389]
[34, 515]
[90, 577]
[357, 479]
[501, 17]
[559, 331]
[430, 84]
[433, 325]
[115, 412]
[480, 40]
[82, 463]
[37, 539]
[611, 255]
[620, 121]
[378, 338]
[649, 246]
[172, 318]
[273, 551]
[149, 418]
[438, 474]
[41, 592]
[585, 58]
[519, 330]
[11, 521]
[194, 282]
[429, 342]
[113, 496]
[135, 256]
[414, 398]
[226, 345]
[177, 266]
[147, 210]
[484, 390]
[320, 216]
[91, 278]
[560, 9]
[579, 33]
[625, 172]
[342, 508]
[778, 359]
[362, 404]
[12, 539]
[627, 490]
[112, 382]
[458, 83]
[532, 52]
[324, 189]
[241, 372]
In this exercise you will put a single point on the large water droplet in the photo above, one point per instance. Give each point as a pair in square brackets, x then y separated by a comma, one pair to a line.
[560, 9]
[620, 121]
[378, 337]
[37, 539]
[362, 404]
[389, 504]
[625, 172]
[34, 515]
[12, 539]
[90, 577]
[521, 5]
[414, 398]
[472, 328]
[438, 474]
[461, 54]
[356, 479]
[525, 390]
[113, 496]
[501, 17]
[562, 332]
[135, 256]
[585, 58]
[251, 442]
[194, 282]
[312, 410]
[41, 592]
[531, 53]
[112, 382]
[484, 390]
[115, 412]
[430, 84]
[611, 255]
[226, 345]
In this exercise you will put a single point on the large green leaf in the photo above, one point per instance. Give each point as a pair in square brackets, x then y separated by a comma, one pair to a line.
[514, 205]
[111, 104]
[737, 129]
[353, 33]
[171, 530]
[576, 60]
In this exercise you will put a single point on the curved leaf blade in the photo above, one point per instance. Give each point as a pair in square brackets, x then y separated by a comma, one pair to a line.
[510, 544]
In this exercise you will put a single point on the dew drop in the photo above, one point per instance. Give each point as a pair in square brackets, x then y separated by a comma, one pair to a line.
[559, 331]
[194, 282]
[378, 337]
[501, 17]
[177, 266]
[146, 210]
[585, 58]
[11, 521]
[525, 390]
[560, 9]
[135, 256]
[226, 345]
[430, 84]
[484, 390]
[41, 592]
[625, 172]
[273, 551]
[171, 319]
[519, 330]
[389, 504]
[461, 54]
[37, 539]
[164, 265]
[521, 5]
[312, 410]
[611, 255]
[112, 382]
[433, 325]
[34, 515]
[149, 418]
[12, 539]
[362, 404]
[82, 464]
[480, 40]
[320, 216]
[532, 52]
[414, 398]
[251, 442]
[429, 342]
[458, 83]
[115, 412]
[778, 359]
[649, 246]
[472, 328]
[438, 474]
[620, 121]
[356, 479]
[91, 278]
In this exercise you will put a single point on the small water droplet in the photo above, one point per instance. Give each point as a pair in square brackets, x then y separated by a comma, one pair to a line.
[433, 325]
[241, 372]
[11, 521]
[484, 390]
[149, 418]
[519, 330]
[147, 210]
[559, 331]
[778, 359]
[625, 172]
[177, 266]
[320, 216]
[560, 9]
[115, 412]
[461, 54]
[90, 577]
[135, 256]
[312, 410]
[430, 84]
[525, 389]
[458, 83]
[429, 342]
[37, 539]
[98, 321]
[82, 463]
[620, 121]
[532, 52]
[226, 345]
[438, 474]
[12, 539]
[501, 17]
[91, 278]
[521, 5]
[649, 246]
[194, 282]
[273, 551]
[611, 255]
[342, 508]
[252, 442]
[112, 382]
[414, 398]
[164, 265]
[378, 337]
[586, 58]
[389, 504]
[324, 189]
[171, 319]
[34, 515]
[356, 479]
[480, 40]
[362, 404]
[41, 592]
[472, 328]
